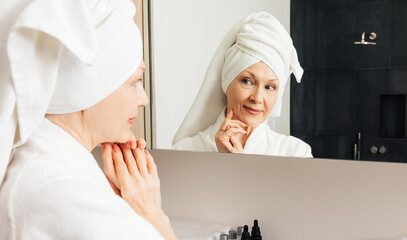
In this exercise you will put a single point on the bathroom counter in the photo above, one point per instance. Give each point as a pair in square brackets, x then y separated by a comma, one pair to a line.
[293, 198]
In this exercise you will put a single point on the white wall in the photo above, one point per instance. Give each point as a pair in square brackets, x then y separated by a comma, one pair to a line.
[185, 36]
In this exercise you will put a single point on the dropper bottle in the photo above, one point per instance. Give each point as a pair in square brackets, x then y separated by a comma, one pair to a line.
[246, 234]
[256, 234]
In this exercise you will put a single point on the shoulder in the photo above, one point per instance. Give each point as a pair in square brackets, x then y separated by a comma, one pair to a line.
[202, 141]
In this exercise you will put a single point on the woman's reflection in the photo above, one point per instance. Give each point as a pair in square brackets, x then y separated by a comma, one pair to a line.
[242, 88]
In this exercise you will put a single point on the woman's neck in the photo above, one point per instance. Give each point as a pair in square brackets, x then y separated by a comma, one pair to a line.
[74, 124]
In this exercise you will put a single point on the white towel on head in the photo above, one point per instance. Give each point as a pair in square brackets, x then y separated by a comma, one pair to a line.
[62, 56]
[258, 37]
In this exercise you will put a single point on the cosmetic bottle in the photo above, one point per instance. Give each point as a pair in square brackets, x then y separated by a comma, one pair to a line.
[256, 234]
[246, 234]
[223, 236]
[232, 235]
[240, 230]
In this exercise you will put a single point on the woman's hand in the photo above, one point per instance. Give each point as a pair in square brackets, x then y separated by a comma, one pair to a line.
[108, 163]
[132, 173]
[229, 134]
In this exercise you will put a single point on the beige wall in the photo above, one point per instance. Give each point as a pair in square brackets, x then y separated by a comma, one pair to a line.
[305, 199]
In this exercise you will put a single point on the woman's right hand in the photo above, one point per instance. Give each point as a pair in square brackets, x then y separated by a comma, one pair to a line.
[137, 182]
[228, 137]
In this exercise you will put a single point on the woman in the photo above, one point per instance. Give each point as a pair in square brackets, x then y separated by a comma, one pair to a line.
[242, 88]
[76, 63]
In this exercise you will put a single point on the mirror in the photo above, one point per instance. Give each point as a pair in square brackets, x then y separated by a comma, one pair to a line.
[185, 35]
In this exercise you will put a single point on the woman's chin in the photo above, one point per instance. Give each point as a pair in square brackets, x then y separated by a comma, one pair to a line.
[253, 121]
[124, 137]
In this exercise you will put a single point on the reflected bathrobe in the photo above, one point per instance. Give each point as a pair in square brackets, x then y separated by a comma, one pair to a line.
[54, 189]
[262, 141]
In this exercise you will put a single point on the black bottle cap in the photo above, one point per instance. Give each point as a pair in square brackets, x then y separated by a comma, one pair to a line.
[245, 234]
[256, 234]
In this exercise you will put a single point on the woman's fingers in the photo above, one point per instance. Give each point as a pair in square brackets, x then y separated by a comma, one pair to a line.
[151, 167]
[229, 115]
[113, 186]
[129, 158]
[120, 166]
[228, 146]
[234, 125]
[107, 158]
[227, 125]
[132, 141]
[236, 144]
[141, 161]
[240, 123]
[108, 163]
[232, 131]
[141, 143]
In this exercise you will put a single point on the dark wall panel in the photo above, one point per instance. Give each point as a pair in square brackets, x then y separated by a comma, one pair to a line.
[340, 30]
[374, 17]
[399, 34]
[344, 84]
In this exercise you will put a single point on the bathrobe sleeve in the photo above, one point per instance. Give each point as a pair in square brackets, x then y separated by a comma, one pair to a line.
[200, 142]
[65, 207]
[203, 141]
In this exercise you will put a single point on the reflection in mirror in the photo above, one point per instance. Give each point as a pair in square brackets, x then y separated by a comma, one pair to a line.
[181, 61]
[366, 89]
[247, 75]
[352, 104]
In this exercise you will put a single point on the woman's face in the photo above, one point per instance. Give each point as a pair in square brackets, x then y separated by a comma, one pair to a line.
[253, 94]
[113, 116]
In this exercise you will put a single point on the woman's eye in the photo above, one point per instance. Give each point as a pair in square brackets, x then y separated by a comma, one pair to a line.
[139, 81]
[246, 81]
[270, 87]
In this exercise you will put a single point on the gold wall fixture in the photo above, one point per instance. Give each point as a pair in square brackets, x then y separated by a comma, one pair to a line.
[372, 36]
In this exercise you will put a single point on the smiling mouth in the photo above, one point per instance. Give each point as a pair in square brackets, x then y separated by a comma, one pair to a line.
[253, 111]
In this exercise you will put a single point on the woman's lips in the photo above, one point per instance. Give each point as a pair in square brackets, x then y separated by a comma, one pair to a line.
[253, 111]
[131, 120]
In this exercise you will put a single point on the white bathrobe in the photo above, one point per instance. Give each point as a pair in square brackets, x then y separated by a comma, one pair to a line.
[262, 140]
[54, 189]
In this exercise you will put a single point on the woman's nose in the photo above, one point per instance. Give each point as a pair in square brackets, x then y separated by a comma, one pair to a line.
[143, 99]
[257, 96]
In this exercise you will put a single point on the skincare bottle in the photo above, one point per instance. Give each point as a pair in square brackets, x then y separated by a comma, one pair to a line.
[223, 236]
[246, 234]
[239, 232]
[232, 235]
[256, 234]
